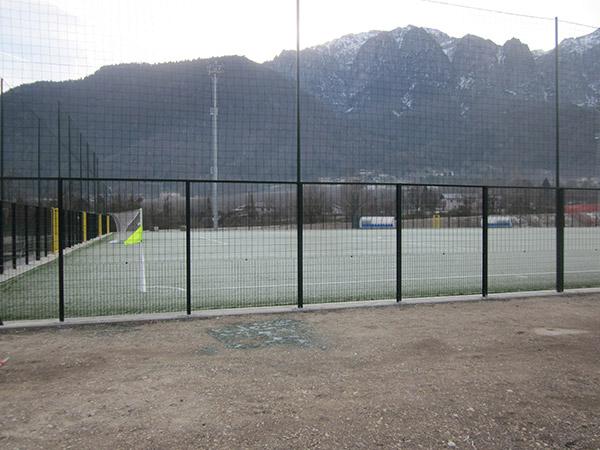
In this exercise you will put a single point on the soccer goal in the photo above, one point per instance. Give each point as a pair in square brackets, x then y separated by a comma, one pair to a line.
[126, 224]
[129, 231]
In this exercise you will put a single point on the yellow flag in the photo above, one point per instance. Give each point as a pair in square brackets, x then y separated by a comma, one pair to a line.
[135, 238]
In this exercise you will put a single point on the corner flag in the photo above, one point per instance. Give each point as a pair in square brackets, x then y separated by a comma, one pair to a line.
[135, 238]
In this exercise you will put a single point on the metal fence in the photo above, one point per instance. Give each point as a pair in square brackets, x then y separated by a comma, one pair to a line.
[293, 244]
[406, 162]
[408, 104]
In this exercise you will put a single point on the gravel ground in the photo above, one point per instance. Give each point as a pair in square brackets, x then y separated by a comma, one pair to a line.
[499, 374]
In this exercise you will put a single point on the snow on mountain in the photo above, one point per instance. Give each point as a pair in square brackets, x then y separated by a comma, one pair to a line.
[344, 49]
[342, 70]
[581, 44]
[447, 43]
[399, 34]
[465, 82]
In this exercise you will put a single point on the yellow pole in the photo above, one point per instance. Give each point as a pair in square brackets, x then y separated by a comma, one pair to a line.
[99, 225]
[84, 225]
[107, 224]
[55, 230]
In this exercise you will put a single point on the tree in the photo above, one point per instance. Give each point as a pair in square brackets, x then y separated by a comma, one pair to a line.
[351, 202]
[314, 205]
[251, 209]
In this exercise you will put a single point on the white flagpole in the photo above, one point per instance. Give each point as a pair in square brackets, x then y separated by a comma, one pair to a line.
[142, 263]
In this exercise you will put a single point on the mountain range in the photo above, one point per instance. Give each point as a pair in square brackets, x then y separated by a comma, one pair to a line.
[410, 104]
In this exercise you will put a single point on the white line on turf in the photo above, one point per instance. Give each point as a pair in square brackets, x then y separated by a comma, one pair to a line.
[167, 287]
[212, 240]
[386, 280]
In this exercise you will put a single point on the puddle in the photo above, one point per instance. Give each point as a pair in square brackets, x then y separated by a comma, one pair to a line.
[265, 334]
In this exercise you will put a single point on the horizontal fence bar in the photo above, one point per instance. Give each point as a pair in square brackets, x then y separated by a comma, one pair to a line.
[293, 183]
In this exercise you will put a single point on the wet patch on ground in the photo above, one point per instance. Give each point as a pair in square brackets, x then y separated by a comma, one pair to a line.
[291, 332]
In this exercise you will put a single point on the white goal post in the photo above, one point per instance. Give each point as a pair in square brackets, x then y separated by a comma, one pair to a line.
[129, 230]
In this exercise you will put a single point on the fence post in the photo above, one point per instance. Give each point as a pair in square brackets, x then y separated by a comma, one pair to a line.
[73, 227]
[188, 248]
[70, 190]
[26, 232]
[299, 227]
[45, 229]
[1, 236]
[1, 176]
[398, 243]
[67, 224]
[38, 249]
[13, 213]
[484, 241]
[560, 239]
[61, 262]
[84, 226]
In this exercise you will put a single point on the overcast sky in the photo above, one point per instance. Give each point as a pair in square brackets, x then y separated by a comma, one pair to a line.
[59, 39]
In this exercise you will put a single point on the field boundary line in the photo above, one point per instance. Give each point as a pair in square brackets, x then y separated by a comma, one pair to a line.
[44, 260]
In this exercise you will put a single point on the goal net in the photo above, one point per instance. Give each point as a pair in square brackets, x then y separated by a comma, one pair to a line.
[126, 223]
[129, 228]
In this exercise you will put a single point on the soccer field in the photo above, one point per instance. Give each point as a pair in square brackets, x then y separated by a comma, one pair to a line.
[257, 267]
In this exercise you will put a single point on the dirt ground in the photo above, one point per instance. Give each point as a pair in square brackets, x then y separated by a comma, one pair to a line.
[491, 375]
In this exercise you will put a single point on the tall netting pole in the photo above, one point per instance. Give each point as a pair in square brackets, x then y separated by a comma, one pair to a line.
[1, 176]
[556, 105]
[299, 196]
[81, 170]
[95, 172]
[87, 165]
[69, 166]
[559, 193]
[58, 140]
[69, 217]
[39, 192]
